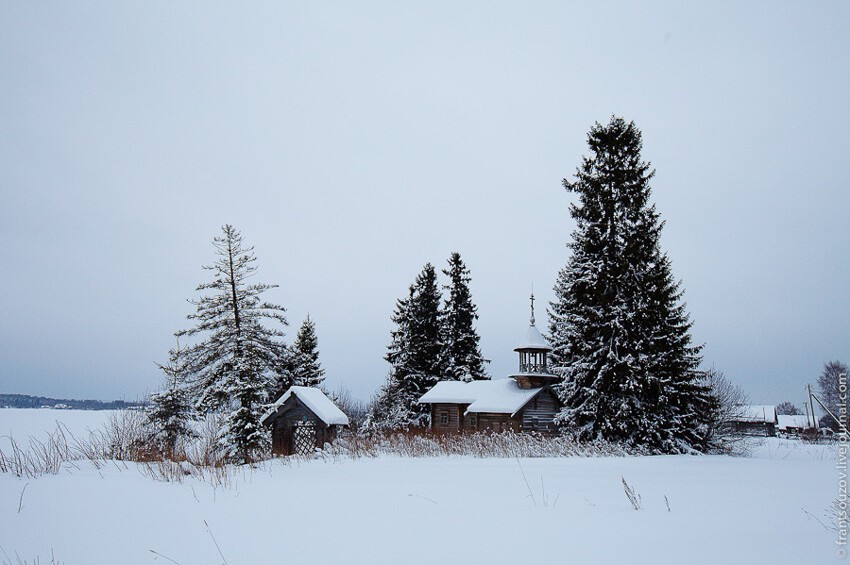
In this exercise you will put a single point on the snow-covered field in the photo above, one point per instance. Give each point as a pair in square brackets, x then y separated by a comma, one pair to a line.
[21, 423]
[766, 508]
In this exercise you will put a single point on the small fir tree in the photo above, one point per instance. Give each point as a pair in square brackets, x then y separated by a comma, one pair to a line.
[170, 414]
[464, 361]
[305, 351]
[242, 354]
[619, 330]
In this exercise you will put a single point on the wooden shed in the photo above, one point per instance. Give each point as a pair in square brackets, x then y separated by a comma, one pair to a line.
[302, 420]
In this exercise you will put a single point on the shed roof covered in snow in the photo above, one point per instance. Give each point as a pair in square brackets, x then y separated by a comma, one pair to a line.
[502, 396]
[316, 401]
[753, 413]
[785, 421]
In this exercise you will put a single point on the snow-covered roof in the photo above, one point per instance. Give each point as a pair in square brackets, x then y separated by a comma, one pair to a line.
[316, 401]
[533, 340]
[785, 421]
[756, 414]
[502, 396]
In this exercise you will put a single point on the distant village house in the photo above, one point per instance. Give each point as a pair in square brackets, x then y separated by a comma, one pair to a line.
[754, 421]
[792, 424]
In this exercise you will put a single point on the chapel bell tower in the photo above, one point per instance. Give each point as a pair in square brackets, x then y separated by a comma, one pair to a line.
[533, 369]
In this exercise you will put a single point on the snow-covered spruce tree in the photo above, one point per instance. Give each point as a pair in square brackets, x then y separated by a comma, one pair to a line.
[305, 352]
[392, 407]
[426, 357]
[415, 353]
[170, 414]
[239, 358]
[388, 408]
[464, 361]
[619, 331]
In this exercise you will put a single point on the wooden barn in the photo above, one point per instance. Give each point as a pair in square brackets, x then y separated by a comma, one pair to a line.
[302, 420]
[754, 421]
[523, 402]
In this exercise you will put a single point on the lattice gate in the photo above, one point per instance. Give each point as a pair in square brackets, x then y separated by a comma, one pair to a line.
[304, 438]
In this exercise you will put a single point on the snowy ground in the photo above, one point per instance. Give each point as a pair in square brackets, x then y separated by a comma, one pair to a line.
[20, 423]
[766, 508]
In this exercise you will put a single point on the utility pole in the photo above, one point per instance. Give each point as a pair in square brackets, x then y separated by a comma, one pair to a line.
[828, 411]
[812, 405]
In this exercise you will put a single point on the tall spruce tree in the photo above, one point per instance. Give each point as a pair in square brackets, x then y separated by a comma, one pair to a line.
[242, 353]
[307, 371]
[415, 353]
[619, 330]
[464, 361]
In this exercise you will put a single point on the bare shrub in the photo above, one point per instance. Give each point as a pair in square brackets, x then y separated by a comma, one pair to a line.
[205, 447]
[424, 443]
[19, 561]
[124, 438]
[836, 515]
[354, 408]
[728, 400]
[39, 457]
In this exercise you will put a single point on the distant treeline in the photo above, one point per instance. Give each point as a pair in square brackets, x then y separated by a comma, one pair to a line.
[26, 401]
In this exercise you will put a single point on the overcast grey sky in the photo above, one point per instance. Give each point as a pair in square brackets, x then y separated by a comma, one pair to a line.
[351, 143]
